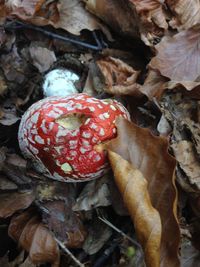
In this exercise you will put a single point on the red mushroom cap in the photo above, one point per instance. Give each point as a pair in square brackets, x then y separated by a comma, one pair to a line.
[59, 134]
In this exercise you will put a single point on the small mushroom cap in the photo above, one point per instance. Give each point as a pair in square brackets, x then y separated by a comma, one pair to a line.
[59, 135]
[60, 82]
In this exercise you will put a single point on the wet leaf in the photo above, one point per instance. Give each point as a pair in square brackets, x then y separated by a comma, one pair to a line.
[35, 238]
[148, 155]
[176, 53]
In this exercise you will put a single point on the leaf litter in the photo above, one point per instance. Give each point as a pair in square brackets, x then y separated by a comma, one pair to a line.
[145, 55]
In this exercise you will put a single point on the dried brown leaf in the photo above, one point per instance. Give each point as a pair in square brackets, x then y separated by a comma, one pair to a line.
[12, 202]
[116, 14]
[42, 58]
[188, 161]
[148, 154]
[178, 56]
[154, 85]
[120, 78]
[68, 15]
[35, 238]
[146, 219]
[186, 13]
[152, 19]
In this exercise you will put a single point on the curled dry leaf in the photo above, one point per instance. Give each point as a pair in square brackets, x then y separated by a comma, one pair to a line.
[152, 19]
[68, 15]
[178, 56]
[186, 13]
[35, 238]
[148, 154]
[154, 85]
[12, 202]
[188, 161]
[146, 219]
[120, 78]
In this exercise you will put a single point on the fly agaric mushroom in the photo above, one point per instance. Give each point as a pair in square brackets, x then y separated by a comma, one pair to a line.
[58, 134]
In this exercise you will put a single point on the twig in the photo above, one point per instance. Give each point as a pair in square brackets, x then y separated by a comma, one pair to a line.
[66, 250]
[19, 25]
[120, 232]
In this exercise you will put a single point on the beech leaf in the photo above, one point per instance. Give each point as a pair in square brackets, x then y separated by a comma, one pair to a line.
[148, 154]
[146, 219]
[186, 13]
[120, 78]
[35, 238]
[178, 57]
[12, 202]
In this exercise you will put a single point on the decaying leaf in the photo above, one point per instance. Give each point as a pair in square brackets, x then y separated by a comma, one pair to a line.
[154, 85]
[13, 202]
[68, 15]
[34, 237]
[42, 58]
[189, 163]
[152, 19]
[97, 239]
[120, 78]
[96, 193]
[178, 56]
[116, 14]
[146, 219]
[66, 224]
[148, 154]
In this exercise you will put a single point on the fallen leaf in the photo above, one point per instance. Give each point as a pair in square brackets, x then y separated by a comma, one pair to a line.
[120, 78]
[186, 13]
[12, 202]
[175, 54]
[152, 19]
[148, 154]
[42, 58]
[35, 238]
[14, 66]
[190, 257]
[96, 193]
[115, 14]
[68, 15]
[63, 222]
[188, 161]
[154, 85]
[96, 239]
[146, 219]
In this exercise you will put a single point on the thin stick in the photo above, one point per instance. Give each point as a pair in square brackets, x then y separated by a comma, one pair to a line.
[120, 232]
[66, 250]
[19, 25]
